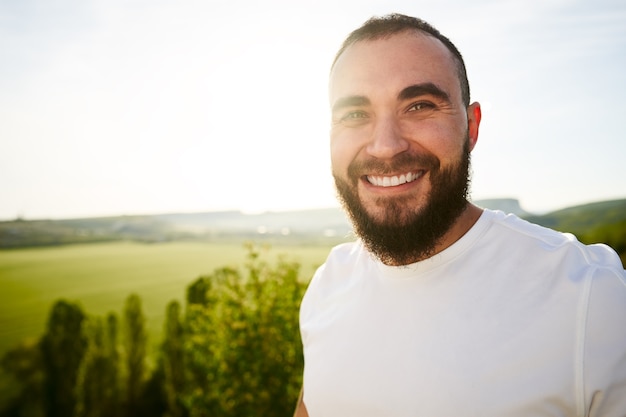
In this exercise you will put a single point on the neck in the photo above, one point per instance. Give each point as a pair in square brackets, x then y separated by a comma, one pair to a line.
[459, 228]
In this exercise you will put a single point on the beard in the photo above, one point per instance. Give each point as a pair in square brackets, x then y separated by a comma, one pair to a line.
[404, 234]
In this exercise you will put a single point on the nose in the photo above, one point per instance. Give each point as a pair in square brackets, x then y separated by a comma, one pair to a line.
[386, 141]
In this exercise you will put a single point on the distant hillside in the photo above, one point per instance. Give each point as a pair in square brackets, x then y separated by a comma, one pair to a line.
[322, 226]
[320, 221]
[599, 222]
[580, 219]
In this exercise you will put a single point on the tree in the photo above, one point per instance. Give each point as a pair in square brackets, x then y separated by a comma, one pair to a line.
[24, 364]
[98, 391]
[198, 291]
[62, 348]
[135, 343]
[173, 360]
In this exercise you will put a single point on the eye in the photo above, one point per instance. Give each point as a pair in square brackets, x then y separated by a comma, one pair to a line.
[351, 118]
[354, 115]
[420, 106]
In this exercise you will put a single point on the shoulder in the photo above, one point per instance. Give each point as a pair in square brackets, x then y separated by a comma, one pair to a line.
[530, 239]
[515, 227]
[341, 260]
[346, 253]
[343, 265]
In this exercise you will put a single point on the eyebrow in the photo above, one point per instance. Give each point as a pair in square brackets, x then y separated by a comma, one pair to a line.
[425, 89]
[350, 101]
[412, 91]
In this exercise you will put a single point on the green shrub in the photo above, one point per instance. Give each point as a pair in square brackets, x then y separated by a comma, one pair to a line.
[242, 351]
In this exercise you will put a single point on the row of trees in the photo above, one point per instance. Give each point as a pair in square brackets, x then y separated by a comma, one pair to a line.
[233, 350]
[613, 234]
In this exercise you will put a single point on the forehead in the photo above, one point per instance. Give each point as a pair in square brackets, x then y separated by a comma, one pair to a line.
[390, 64]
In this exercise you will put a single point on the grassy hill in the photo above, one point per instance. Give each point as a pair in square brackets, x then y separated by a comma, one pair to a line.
[102, 275]
[581, 219]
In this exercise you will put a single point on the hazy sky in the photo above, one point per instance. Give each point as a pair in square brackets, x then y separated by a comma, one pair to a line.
[138, 107]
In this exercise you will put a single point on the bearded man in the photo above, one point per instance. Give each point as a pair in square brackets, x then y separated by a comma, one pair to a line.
[442, 308]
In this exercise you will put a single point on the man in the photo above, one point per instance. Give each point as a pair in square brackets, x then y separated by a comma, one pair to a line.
[442, 308]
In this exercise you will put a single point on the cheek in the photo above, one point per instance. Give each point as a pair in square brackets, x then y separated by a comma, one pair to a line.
[445, 141]
[341, 154]
[338, 162]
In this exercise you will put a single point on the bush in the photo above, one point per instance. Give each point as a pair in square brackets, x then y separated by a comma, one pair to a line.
[243, 350]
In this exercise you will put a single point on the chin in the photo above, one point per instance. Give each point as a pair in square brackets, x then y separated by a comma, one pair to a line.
[398, 211]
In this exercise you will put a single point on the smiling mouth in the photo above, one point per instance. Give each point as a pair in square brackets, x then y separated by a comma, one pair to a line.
[394, 180]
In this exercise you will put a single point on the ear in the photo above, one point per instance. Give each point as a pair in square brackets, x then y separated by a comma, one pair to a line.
[473, 122]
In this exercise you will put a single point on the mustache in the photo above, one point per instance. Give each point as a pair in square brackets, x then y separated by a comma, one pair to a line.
[399, 163]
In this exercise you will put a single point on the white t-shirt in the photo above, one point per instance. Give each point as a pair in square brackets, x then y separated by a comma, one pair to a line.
[513, 320]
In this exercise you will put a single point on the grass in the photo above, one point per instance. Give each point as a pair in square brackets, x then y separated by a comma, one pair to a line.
[101, 276]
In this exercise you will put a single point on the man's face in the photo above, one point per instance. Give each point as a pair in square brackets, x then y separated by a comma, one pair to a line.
[400, 142]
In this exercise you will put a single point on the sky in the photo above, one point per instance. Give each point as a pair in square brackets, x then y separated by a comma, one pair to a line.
[111, 107]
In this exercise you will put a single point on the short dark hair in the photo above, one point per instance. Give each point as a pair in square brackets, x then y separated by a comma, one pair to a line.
[391, 24]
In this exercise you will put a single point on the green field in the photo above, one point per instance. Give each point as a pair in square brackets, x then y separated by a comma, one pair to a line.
[101, 276]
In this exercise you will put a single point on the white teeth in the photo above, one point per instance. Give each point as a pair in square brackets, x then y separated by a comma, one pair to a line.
[393, 181]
